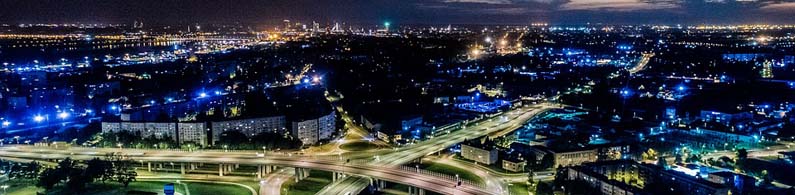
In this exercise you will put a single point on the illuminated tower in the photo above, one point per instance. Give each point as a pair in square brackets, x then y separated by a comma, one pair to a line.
[287, 25]
[767, 70]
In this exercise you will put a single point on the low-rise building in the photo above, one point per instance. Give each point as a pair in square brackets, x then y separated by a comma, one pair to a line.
[514, 162]
[479, 151]
[630, 177]
[739, 183]
[564, 158]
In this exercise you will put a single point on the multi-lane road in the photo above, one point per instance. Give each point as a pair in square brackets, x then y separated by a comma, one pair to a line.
[509, 120]
[384, 167]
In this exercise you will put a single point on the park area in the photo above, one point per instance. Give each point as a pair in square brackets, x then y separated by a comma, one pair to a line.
[142, 187]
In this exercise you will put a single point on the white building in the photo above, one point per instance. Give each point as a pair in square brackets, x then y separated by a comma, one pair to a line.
[111, 127]
[250, 127]
[193, 132]
[327, 125]
[157, 130]
[306, 131]
[313, 130]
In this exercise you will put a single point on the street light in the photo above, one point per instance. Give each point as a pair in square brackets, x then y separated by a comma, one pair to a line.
[38, 118]
[63, 115]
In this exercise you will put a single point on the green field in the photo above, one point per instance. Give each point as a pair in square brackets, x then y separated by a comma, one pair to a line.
[451, 170]
[201, 188]
[358, 146]
[138, 187]
[520, 188]
[309, 186]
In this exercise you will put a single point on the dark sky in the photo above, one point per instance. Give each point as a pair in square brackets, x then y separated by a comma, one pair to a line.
[400, 11]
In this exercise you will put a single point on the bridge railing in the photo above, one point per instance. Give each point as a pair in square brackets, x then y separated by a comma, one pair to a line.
[254, 153]
[447, 177]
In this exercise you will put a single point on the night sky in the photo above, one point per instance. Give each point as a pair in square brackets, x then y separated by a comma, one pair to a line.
[400, 11]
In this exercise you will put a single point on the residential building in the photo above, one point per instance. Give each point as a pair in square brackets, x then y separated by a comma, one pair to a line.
[479, 151]
[514, 162]
[193, 132]
[311, 131]
[250, 127]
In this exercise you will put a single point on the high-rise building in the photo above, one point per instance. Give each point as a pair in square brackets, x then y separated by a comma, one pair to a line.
[311, 131]
[250, 127]
[193, 132]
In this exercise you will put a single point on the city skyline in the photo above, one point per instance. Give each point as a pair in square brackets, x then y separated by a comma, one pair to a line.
[389, 97]
[404, 12]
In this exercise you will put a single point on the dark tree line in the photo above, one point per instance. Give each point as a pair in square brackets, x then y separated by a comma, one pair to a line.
[134, 140]
[239, 141]
[76, 177]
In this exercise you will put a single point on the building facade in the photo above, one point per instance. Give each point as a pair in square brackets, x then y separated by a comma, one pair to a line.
[312, 131]
[250, 127]
[193, 132]
[481, 153]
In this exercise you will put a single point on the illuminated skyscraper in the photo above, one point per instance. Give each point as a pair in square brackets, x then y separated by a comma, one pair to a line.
[767, 69]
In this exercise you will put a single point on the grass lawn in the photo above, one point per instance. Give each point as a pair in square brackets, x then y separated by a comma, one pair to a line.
[451, 170]
[201, 188]
[144, 187]
[309, 186]
[137, 187]
[358, 146]
[519, 188]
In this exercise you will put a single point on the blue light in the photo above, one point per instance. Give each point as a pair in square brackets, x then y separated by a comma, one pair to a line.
[152, 102]
[63, 115]
[625, 92]
[6, 123]
[306, 80]
[681, 88]
[38, 118]
[202, 95]
[114, 107]
[170, 99]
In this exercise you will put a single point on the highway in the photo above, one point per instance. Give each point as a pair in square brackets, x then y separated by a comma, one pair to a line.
[385, 167]
[272, 185]
[509, 120]
[397, 175]
[641, 63]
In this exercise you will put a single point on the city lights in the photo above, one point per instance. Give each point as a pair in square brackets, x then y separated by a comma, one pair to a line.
[38, 118]
[600, 99]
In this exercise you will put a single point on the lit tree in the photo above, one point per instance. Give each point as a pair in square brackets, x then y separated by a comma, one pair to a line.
[650, 154]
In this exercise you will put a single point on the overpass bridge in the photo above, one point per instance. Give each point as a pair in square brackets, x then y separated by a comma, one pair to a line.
[366, 169]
